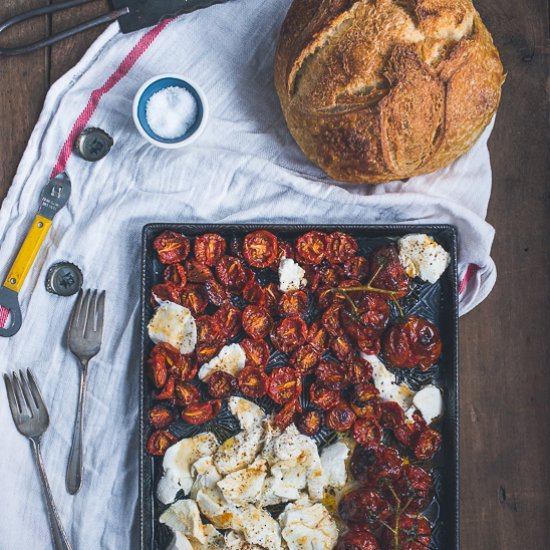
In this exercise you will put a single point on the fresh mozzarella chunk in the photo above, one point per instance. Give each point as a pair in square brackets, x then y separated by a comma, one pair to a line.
[333, 461]
[231, 359]
[184, 517]
[258, 527]
[307, 526]
[429, 402]
[291, 275]
[174, 325]
[422, 257]
[248, 413]
[276, 490]
[177, 464]
[385, 383]
[239, 451]
[221, 513]
[245, 486]
[205, 475]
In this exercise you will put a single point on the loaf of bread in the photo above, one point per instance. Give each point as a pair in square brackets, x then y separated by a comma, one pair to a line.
[379, 90]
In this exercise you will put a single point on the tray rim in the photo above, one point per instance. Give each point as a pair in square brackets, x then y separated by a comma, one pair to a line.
[402, 229]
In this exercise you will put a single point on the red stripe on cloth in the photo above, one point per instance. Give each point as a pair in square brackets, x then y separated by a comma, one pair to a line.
[127, 63]
[470, 272]
[122, 70]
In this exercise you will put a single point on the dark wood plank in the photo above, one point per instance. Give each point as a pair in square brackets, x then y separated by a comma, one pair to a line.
[23, 81]
[505, 342]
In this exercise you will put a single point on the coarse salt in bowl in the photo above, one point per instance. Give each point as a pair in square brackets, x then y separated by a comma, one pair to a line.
[170, 111]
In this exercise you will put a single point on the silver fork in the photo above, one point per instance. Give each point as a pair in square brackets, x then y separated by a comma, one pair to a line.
[31, 419]
[84, 339]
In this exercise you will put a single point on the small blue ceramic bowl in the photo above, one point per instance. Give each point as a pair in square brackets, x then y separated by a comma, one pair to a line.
[157, 84]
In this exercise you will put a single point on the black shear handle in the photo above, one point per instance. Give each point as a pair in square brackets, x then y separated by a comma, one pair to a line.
[12, 21]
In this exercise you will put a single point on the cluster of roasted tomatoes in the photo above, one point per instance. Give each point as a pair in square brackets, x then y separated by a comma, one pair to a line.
[322, 328]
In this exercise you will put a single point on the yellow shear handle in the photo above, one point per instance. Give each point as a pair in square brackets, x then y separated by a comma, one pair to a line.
[27, 254]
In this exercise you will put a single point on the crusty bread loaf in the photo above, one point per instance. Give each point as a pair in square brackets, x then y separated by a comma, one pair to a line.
[378, 90]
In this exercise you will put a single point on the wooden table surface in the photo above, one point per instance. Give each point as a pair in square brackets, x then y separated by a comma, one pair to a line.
[505, 342]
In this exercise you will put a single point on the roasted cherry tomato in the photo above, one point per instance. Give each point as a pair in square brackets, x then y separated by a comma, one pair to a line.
[159, 441]
[285, 384]
[257, 352]
[209, 330]
[332, 375]
[290, 333]
[272, 295]
[330, 275]
[363, 393]
[160, 417]
[305, 359]
[197, 272]
[207, 351]
[176, 275]
[361, 463]
[216, 293]
[167, 391]
[253, 382]
[364, 506]
[232, 274]
[171, 247]
[357, 268]
[427, 444]
[340, 418]
[413, 533]
[293, 303]
[413, 343]
[415, 485]
[393, 416]
[367, 432]
[209, 248]
[310, 422]
[313, 277]
[323, 397]
[317, 336]
[221, 385]
[340, 247]
[371, 409]
[341, 346]
[388, 273]
[199, 413]
[194, 298]
[257, 322]
[158, 364]
[186, 394]
[331, 320]
[286, 415]
[357, 539]
[254, 294]
[260, 248]
[359, 370]
[376, 467]
[311, 247]
[230, 319]
[165, 292]
[186, 368]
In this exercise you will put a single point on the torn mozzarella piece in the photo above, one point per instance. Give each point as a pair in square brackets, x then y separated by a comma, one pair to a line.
[244, 486]
[259, 527]
[205, 474]
[429, 402]
[177, 464]
[248, 413]
[231, 359]
[184, 517]
[291, 275]
[239, 451]
[333, 461]
[385, 383]
[175, 325]
[221, 513]
[422, 257]
[307, 526]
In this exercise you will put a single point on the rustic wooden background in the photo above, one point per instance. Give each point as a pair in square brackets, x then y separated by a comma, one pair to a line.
[505, 343]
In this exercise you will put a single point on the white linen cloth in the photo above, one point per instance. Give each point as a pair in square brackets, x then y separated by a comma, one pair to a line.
[244, 167]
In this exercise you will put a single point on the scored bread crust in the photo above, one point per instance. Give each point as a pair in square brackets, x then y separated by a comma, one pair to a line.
[378, 90]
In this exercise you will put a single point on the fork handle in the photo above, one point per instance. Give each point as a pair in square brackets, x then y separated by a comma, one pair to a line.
[73, 477]
[59, 538]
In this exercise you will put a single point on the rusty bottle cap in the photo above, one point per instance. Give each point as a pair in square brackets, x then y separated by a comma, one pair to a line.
[64, 279]
[93, 144]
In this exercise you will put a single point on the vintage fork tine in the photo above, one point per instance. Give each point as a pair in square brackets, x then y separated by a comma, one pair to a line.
[11, 399]
[29, 399]
[36, 393]
[100, 313]
[91, 315]
[82, 313]
[76, 310]
[25, 413]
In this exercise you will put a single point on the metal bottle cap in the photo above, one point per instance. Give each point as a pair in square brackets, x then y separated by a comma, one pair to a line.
[93, 144]
[64, 279]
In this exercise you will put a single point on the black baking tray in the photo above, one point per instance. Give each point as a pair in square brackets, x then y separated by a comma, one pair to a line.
[438, 303]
